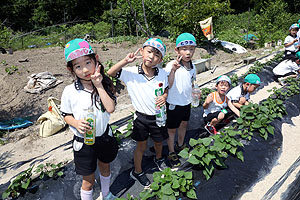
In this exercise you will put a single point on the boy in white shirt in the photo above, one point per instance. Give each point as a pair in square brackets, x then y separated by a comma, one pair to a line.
[181, 75]
[141, 82]
[240, 94]
[291, 41]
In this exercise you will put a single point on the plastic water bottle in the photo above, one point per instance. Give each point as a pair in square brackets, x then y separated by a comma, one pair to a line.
[160, 111]
[196, 92]
[89, 136]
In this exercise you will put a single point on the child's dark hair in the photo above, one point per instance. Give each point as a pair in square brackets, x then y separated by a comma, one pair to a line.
[292, 58]
[106, 82]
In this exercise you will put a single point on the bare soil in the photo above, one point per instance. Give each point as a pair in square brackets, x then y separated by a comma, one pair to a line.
[24, 147]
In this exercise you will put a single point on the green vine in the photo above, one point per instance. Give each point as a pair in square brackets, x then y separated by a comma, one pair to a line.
[212, 151]
[19, 185]
[167, 185]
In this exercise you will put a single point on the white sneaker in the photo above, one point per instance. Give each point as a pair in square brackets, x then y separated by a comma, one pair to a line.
[281, 81]
[110, 196]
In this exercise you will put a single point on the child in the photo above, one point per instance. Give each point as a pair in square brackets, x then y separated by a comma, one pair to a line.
[298, 33]
[181, 75]
[240, 94]
[92, 88]
[287, 68]
[291, 41]
[216, 103]
[141, 82]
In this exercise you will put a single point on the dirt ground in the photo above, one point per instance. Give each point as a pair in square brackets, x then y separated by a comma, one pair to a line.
[25, 147]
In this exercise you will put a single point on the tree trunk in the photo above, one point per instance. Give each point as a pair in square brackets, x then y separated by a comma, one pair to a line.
[133, 13]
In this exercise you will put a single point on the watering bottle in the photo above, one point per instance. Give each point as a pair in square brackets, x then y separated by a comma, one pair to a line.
[195, 96]
[160, 111]
[89, 136]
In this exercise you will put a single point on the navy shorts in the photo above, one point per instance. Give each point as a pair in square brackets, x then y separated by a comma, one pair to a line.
[177, 115]
[105, 149]
[145, 126]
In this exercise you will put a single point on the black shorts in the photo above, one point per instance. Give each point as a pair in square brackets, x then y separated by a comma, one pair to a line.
[145, 126]
[276, 77]
[210, 116]
[105, 149]
[176, 116]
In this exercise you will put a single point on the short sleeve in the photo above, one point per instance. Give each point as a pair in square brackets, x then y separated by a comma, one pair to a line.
[124, 74]
[168, 67]
[65, 106]
[234, 94]
[287, 40]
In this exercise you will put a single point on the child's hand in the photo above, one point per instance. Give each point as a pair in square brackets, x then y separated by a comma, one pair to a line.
[82, 126]
[133, 56]
[295, 40]
[160, 100]
[242, 101]
[176, 63]
[209, 99]
[97, 76]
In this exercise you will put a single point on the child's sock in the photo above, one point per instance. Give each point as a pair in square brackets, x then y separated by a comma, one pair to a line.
[86, 195]
[105, 183]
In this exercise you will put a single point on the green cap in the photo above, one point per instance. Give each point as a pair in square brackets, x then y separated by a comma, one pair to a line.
[156, 43]
[252, 78]
[77, 48]
[294, 26]
[298, 54]
[185, 39]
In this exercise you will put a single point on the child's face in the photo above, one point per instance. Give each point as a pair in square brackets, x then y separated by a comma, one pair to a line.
[222, 87]
[84, 67]
[151, 56]
[251, 87]
[186, 52]
[294, 31]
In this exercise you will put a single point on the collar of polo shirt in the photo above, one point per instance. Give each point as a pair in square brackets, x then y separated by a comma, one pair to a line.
[141, 71]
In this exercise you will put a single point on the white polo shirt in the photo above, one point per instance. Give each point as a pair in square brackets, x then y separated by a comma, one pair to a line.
[141, 89]
[181, 91]
[237, 92]
[285, 67]
[292, 47]
[75, 100]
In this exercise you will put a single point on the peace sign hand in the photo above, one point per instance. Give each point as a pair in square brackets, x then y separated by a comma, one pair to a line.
[133, 56]
[176, 63]
[97, 76]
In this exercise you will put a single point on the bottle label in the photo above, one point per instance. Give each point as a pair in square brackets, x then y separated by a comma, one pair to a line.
[224, 111]
[158, 92]
[90, 133]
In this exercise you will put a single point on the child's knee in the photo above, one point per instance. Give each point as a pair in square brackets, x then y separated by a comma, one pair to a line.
[183, 124]
[221, 116]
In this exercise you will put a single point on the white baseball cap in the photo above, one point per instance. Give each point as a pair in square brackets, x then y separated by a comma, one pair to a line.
[224, 78]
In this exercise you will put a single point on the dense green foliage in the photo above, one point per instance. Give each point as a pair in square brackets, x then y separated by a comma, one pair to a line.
[26, 23]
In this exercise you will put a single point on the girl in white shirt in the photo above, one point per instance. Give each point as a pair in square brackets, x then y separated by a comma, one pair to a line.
[92, 88]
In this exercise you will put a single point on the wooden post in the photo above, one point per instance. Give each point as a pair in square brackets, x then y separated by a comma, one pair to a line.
[112, 21]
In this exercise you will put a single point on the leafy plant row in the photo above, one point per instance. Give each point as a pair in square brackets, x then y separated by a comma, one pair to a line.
[21, 183]
[212, 152]
[167, 185]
